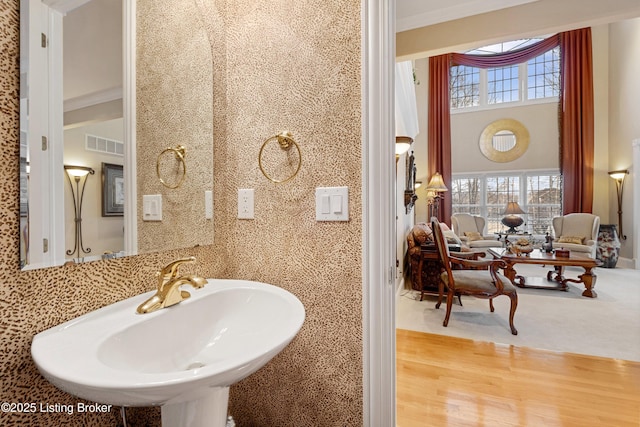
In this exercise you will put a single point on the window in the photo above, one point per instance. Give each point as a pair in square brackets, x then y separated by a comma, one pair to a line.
[464, 86]
[538, 193]
[543, 75]
[502, 84]
[544, 201]
[537, 79]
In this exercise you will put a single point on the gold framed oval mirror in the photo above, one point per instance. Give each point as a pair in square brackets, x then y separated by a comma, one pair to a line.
[504, 140]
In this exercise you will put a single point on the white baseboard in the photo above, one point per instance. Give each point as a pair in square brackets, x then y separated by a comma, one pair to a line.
[627, 263]
[399, 286]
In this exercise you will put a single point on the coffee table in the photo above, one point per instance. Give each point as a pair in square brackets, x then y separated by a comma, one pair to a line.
[555, 278]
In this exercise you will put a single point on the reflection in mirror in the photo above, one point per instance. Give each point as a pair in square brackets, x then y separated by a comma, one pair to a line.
[76, 109]
[503, 140]
[71, 114]
[78, 175]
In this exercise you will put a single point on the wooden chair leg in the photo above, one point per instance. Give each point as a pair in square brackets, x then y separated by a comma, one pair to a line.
[449, 304]
[491, 305]
[440, 293]
[512, 312]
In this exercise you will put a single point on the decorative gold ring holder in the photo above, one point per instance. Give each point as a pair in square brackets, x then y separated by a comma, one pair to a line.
[179, 151]
[286, 141]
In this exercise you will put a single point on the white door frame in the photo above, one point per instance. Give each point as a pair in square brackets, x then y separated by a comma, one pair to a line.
[378, 193]
[129, 121]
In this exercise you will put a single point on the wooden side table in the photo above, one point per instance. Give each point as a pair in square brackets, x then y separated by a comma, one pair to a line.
[430, 269]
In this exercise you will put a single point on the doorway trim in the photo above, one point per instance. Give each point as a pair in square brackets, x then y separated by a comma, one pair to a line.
[378, 194]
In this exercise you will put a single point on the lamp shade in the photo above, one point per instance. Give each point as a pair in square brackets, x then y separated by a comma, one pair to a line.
[513, 208]
[403, 143]
[78, 171]
[618, 175]
[436, 183]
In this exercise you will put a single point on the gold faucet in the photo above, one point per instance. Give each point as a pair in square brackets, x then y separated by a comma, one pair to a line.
[169, 283]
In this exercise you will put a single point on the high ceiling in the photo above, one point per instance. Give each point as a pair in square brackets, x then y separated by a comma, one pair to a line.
[412, 14]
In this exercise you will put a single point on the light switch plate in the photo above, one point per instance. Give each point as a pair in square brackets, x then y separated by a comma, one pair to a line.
[152, 207]
[332, 204]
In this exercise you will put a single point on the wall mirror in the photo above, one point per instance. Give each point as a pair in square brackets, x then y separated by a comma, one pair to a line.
[504, 140]
[78, 109]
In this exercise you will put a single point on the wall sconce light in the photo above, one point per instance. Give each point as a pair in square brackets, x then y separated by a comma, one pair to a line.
[79, 175]
[434, 188]
[511, 219]
[410, 184]
[619, 176]
[418, 184]
[403, 143]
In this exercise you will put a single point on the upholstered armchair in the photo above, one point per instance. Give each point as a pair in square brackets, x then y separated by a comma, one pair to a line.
[470, 230]
[577, 232]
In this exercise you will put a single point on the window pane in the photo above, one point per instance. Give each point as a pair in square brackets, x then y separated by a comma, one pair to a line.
[544, 201]
[545, 70]
[503, 84]
[464, 86]
[465, 191]
[494, 215]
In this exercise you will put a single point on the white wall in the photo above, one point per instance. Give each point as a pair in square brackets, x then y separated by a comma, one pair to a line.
[624, 116]
[600, 44]
[93, 48]
[99, 233]
[540, 119]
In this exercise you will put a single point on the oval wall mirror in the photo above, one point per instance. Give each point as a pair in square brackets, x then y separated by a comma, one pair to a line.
[504, 140]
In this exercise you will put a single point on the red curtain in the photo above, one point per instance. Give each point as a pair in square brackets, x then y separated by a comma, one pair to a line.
[439, 134]
[576, 121]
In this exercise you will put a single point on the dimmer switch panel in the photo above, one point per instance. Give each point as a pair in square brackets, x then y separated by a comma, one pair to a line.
[332, 204]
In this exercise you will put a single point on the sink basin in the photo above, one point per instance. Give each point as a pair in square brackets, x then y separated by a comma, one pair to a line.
[183, 357]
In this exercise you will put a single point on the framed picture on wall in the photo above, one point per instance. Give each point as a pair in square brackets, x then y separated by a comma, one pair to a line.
[112, 190]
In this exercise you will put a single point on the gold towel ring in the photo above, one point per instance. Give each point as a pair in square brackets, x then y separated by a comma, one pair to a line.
[285, 140]
[179, 151]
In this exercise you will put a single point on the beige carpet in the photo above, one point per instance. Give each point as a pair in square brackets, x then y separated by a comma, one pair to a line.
[607, 326]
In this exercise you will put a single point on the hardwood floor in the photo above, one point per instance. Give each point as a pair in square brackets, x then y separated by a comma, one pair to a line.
[446, 381]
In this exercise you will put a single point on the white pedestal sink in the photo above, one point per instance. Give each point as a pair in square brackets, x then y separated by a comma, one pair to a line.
[183, 358]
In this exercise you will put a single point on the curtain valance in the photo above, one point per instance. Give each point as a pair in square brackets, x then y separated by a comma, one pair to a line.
[506, 58]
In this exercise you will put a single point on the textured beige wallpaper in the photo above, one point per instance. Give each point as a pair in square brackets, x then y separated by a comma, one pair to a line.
[174, 103]
[277, 65]
[282, 65]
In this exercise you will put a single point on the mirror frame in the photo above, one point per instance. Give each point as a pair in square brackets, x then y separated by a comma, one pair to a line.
[486, 140]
